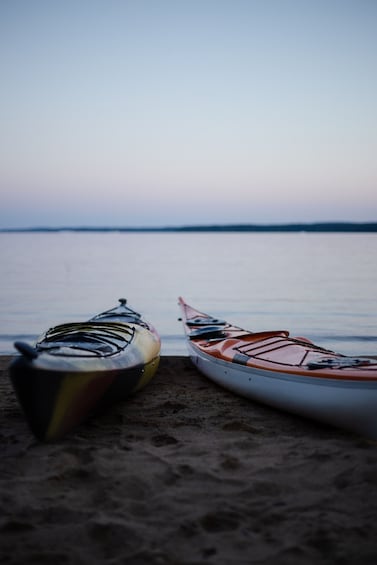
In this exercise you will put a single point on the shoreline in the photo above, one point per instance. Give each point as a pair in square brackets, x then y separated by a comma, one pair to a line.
[186, 473]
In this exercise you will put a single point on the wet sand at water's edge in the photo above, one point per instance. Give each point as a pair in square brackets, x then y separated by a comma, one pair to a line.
[186, 473]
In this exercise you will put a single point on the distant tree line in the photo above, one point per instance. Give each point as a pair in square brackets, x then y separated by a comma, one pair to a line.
[314, 227]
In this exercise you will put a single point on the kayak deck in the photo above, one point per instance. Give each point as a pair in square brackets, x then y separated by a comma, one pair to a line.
[274, 351]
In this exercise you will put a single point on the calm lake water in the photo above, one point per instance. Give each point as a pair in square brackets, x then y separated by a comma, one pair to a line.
[322, 286]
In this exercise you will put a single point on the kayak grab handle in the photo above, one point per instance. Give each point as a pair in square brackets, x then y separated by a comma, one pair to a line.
[26, 350]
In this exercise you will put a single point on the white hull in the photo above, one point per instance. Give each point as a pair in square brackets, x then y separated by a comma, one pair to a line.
[348, 404]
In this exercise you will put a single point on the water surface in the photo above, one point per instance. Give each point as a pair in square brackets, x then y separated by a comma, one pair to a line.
[318, 285]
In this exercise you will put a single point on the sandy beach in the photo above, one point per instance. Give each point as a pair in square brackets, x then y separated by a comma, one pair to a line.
[186, 473]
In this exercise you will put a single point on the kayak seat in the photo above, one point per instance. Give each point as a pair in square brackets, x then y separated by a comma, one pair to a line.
[208, 332]
[206, 321]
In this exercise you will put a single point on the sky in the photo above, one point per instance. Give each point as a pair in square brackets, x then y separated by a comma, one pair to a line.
[182, 112]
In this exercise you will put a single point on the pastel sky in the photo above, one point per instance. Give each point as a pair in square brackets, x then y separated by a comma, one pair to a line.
[171, 112]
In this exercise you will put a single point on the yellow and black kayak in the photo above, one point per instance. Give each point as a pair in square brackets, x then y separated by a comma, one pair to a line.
[78, 369]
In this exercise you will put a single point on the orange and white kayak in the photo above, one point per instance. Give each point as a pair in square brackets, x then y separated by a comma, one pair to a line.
[285, 372]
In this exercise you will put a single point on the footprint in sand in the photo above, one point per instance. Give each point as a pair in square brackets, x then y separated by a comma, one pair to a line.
[220, 521]
[230, 463]
[237, 426]
[163, 439]
[173, 406]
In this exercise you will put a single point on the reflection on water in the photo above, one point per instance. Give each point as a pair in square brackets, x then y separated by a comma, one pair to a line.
[318, 285]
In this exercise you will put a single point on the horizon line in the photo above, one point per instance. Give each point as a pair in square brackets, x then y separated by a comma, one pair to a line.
[342, 226]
